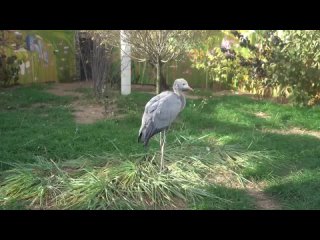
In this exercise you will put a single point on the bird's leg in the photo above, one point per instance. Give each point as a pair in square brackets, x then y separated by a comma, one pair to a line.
[160, 139]
[162, 150]
[161, 143]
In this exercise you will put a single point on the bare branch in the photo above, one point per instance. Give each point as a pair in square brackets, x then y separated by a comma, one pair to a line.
[152, 46]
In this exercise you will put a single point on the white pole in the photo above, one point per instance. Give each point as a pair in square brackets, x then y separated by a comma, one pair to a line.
[125, 65]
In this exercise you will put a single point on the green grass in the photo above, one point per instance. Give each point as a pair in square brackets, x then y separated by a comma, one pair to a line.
[128, 182]
[37, 124]
[238, 199]
[299, 190]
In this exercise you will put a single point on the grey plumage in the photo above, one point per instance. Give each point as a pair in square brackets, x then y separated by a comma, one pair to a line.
[162, 110]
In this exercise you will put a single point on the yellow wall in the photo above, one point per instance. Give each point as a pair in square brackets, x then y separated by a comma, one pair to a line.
[47, 55]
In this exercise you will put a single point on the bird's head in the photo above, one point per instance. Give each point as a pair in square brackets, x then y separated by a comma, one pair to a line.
[181, 84]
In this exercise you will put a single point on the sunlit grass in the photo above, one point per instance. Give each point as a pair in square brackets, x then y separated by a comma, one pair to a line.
[127, 182]
[216, 146]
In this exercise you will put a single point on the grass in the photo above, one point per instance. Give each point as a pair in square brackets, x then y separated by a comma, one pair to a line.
[128, 182]
[299, 190]
[37, 129]
[238, 200]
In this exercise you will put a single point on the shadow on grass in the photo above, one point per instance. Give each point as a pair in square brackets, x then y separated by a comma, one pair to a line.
[232, 199]
[301, 191]
[294, 153]
[14, 205]
[291, 152]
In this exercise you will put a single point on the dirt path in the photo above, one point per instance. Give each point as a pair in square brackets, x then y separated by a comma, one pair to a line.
[255, 190]
[87, 113]
[262, 200]
[68, 89]
[83, 111]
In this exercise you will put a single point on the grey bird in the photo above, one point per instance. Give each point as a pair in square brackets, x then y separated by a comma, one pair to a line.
[161, 111]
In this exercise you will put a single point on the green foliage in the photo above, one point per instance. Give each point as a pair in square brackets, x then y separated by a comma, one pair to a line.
[9, 70]
[282, 63]
[9, 60]
[296, 65]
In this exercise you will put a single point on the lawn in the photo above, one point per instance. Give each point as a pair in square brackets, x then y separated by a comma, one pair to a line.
[38, 130]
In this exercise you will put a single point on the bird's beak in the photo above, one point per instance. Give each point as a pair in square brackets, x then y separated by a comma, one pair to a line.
[191, 89]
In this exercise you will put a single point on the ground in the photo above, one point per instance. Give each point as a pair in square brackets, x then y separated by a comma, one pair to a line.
[262, 200]
[291, 133]
[91, 113]
[84, 112]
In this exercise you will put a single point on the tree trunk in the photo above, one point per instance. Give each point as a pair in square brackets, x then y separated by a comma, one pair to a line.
[163, 81]
[206, 78]
[158, 82]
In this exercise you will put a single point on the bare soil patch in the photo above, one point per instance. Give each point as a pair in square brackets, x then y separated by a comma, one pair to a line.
[295, 130]
[262, 115]
[83, 111]
[262, 200]
[68, 89]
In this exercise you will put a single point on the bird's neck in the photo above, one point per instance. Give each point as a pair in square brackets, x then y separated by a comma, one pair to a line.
[182, 97]
[176, 91]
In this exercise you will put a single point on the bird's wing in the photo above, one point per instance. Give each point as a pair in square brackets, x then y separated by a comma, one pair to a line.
[167, 110]
[150, 107]
[154, 102]
[159, 113]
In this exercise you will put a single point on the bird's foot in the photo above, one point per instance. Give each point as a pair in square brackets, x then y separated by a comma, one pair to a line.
[165, 170]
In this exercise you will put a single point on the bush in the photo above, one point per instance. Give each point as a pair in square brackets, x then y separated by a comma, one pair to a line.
[269, 63]
[9, 70]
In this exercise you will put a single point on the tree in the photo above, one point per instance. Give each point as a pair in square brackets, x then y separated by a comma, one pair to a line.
[157, 47]
[98, 56]
[201, 55]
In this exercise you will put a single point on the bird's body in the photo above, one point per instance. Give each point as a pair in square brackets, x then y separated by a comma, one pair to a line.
[159, 114]
[162, 110]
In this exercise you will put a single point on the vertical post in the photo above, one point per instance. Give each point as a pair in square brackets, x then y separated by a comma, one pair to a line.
[125, 65]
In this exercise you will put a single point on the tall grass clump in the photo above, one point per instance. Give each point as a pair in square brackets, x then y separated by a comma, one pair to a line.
[121, 181]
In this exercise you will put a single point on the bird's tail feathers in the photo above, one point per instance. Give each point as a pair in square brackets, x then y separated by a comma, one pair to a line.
[139, 137]
[147, 132]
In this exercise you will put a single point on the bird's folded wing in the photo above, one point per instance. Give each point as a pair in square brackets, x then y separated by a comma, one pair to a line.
[166, 111]
[154, 102]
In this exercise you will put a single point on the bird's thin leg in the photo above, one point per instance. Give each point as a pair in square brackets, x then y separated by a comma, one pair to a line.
[162, 150]
[161, 143]
[160, 139]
